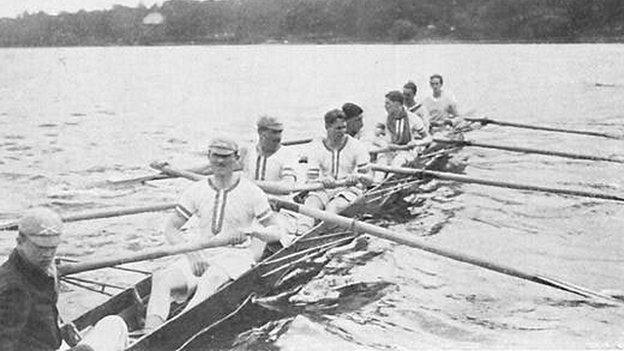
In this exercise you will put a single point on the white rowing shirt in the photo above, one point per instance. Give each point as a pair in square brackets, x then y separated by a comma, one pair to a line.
[421, 111]
[408, 129]
[277, 166]
[349, 158]
[223, 212]
[440, 107]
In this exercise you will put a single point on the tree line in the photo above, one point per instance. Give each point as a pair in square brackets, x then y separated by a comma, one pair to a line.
[323, 21]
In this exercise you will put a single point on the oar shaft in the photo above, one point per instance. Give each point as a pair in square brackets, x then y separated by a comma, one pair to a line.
[359, 226]
[296, 142]
[501, 184]
[268, 186]
[529, 150]
[81, 216]
[549, 129]
[79, 267]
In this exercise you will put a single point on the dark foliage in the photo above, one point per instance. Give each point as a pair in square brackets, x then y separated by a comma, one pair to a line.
[324, 21]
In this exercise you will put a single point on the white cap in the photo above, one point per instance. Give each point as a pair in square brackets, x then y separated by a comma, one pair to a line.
[42, 226]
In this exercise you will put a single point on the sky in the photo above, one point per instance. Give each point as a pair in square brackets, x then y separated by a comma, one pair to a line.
[12, 8]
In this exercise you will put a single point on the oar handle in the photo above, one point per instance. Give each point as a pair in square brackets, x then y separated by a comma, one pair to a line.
[79, 267]
[296, 142]
[268, 186]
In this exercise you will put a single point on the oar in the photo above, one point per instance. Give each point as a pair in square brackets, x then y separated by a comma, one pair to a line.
[550, 129]
[465, 179]
[159, 176]
[359, 226]
[528, 150]
[81, 216]
[296, 142]
[146, 178]
[151, 254]
[270, 187]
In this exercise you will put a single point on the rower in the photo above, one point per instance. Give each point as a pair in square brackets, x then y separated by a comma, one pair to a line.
[441, 105]
[268, 161]
[29, 292]
[336, 157]
[407, 130]
[227, 206]
[409, 100]
[355, 119]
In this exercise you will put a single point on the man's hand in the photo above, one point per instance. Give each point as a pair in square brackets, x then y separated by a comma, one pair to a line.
[239, 238]
[352, 179]
[198, 263]
[328, 182]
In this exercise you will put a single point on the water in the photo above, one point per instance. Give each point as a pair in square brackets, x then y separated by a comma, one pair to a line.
[73, 117]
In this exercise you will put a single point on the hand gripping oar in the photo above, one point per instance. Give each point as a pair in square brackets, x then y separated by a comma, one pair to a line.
[359, 226]
[528, 150]
[116, 212]
[501, 184]
[271, 187]
[79, 267]
[549, 129]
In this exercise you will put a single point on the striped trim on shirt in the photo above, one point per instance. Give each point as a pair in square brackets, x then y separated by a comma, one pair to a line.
[218, 208]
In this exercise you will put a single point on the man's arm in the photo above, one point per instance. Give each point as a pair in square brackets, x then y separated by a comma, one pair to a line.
[172, 228]
[14, 309]
[271, 230]
[420, 134]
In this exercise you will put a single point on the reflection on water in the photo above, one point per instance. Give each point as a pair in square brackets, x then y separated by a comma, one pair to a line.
[74, 118]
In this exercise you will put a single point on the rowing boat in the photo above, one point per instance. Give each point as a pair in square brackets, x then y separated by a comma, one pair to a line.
[283, 273]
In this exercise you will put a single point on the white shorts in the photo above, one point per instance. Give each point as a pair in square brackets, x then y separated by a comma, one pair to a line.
[231, 263]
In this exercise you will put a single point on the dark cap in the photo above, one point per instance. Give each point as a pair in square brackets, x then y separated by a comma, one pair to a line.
[223, 146]
[395, 96]
[269, 122]
[42, 226]
[351, 110]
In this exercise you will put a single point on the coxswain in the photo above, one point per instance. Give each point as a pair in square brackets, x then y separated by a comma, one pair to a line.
[227, 206]
[29, 319]
[407, 130]
[441, 104]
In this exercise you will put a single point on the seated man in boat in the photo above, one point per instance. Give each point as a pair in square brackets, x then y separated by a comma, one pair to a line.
[355, 119]
[407, 130]
[29, 319]
[337, 157]
[441, 104]
[409, 100]
[268, 161]
[228, 206]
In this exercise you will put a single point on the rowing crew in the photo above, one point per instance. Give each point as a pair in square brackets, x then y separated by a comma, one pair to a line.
[227, 204]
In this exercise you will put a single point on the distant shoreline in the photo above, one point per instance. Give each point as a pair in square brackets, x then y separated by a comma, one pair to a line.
[428, 41]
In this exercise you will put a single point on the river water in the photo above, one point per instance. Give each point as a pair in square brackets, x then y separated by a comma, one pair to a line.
[71, 118]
